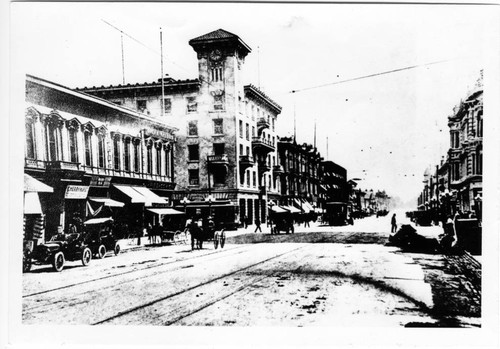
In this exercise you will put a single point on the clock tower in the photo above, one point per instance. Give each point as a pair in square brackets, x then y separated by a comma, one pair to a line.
[221, 55]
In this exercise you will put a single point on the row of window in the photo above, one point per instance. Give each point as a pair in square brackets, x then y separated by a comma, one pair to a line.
[256, 112]
[126, 150]
[194, 150]
[473, 165]
[217, 124]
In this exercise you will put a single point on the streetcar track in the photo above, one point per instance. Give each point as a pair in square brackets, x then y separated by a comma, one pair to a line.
[150, 303]
[123, 273]
[37, 306]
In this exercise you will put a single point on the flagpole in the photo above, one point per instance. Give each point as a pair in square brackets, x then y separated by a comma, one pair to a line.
[162, 104]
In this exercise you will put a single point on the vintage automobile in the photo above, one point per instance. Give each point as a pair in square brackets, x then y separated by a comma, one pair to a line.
[100, 238]
[57, 251]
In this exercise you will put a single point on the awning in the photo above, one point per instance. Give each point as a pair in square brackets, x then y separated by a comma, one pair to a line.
[108, 202]
[34, 185]
[98, 220]
[32, 203]
[151, 198]
[301, 205]
[165, 211]
[292, 209]
[140, 195]
[278, 209]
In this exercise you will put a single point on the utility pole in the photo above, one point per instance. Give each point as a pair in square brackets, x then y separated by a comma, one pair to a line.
[162, 104]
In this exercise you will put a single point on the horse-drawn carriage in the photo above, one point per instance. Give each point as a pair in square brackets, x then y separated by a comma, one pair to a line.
[205, 230]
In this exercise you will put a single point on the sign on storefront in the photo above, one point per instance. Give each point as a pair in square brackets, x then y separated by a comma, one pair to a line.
[76, 192]
[97, 181]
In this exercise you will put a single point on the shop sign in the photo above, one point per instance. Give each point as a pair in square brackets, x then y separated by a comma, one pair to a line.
[97, 181]
[76, 192]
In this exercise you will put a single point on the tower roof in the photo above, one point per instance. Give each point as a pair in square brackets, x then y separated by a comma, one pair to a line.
[219, 36]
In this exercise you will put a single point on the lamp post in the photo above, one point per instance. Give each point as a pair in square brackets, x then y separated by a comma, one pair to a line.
[184, 201]
[209, 199]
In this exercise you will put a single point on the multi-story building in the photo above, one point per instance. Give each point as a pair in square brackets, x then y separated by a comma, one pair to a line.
[334, 186]
[298, 170]
[96, 155]
[466, 150]
[227, 143]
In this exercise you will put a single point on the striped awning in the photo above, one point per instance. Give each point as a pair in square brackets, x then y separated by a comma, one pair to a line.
[32, 203]
[140, 195]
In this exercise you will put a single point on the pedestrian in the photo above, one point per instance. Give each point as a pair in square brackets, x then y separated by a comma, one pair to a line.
[306, 222]
[245, 221]
[394, 225]
[257, 225]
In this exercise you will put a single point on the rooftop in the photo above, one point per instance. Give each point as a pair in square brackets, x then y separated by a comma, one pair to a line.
[220, 36]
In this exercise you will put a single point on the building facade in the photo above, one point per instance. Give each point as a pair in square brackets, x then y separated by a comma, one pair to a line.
[334, 185]
[227, 143]
[99, 158]
[298, 172]
[466, 150]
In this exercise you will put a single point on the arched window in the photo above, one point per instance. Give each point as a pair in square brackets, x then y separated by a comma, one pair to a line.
[72, 127]
[30, 139]
[137, 155]
[126, 154]
[116, 151]
[158, 147]
[101, 147]
[149, 157]
[53, 137]
[87, 139]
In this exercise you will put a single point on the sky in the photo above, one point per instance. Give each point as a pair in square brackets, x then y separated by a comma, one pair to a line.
[385, 130]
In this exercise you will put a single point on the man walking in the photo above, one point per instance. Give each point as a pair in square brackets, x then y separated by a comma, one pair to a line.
[394, 225]
[257, 225]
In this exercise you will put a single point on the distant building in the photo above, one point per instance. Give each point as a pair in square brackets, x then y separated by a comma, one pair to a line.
[227, 143]
[99, 158]
[299, 173]
[466, 150]
[333, 185]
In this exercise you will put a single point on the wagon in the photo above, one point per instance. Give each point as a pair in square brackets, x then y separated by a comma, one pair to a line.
[100, 236]
[206, 232]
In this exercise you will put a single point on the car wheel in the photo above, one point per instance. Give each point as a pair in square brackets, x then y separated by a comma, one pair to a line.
[86, 256]
[27, 263]
[222, 238]
[101, 251]
[58, 261]
[117, 249]
[216, 240]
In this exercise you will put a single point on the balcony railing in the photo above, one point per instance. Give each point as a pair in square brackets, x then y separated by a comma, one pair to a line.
[63, 165]
[246, 161]
[221, 159]
[33, 163]
[264, 168]
[262, 144]
[262, 124]
[278, 169]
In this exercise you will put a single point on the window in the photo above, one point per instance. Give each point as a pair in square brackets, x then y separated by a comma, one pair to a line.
[167, 160]
[479, 163]
[247, 174]
[73, 151]
[193, 128]
[101, 150]
[219, 176]
[192, 105]
[218, 126]
[158, 159]
[480, 124]
[137, 156]
[216, 74]
[253, 131]
[126, 154]
[193, 152]
[272, 124]
[88, 148]
[241, 129]
[248, 151]
[247, 133]
[116, 152]
[53, 144]
[219, 148]
[254, 179]
[167, 105]
[30, 140]
[194, 177]
[241, 149]
[142, 105]
[149, 158]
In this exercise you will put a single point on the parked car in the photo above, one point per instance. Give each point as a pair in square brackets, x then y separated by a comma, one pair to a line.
[57, 251]
[100, 236]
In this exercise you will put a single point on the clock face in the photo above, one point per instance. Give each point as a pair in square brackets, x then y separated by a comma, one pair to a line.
[215, 55]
